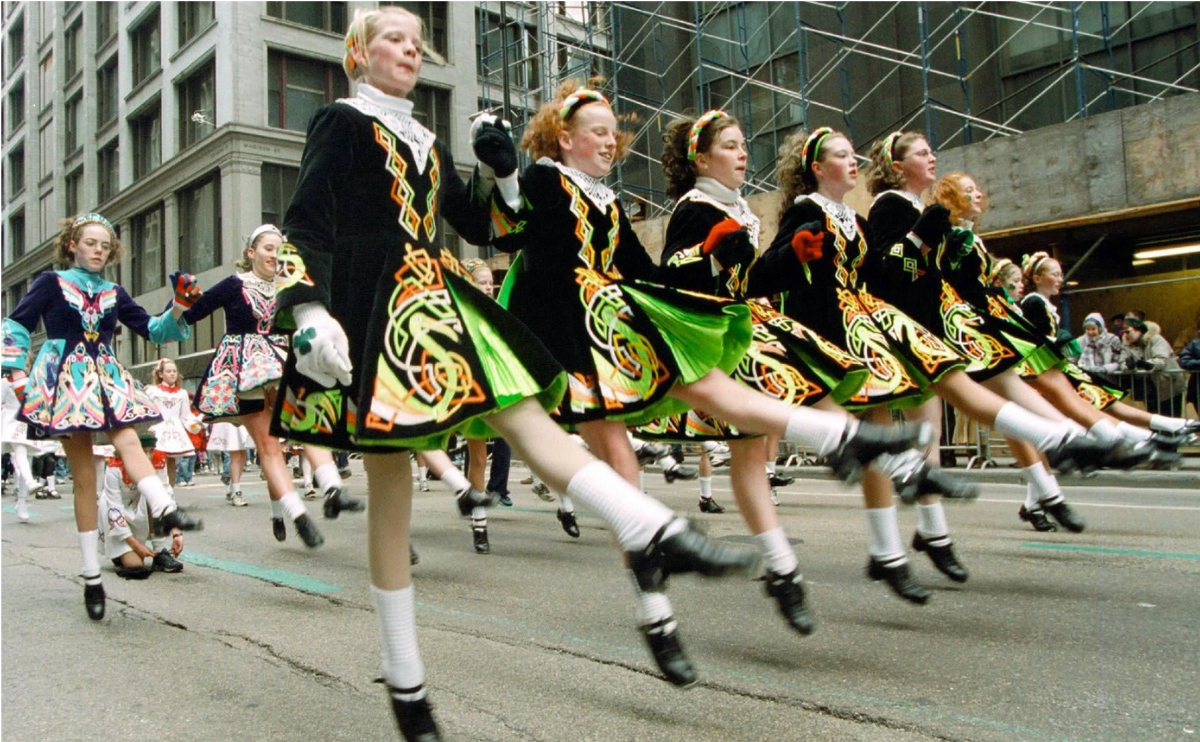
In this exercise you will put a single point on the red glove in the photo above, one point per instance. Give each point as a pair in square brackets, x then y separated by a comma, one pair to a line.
[807, 245]
[719, 232]
[187, 289]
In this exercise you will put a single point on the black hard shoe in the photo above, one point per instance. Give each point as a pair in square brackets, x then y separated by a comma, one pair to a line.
[568, 523]
[338, 500]
[279, 529]
[1066, 517]
[680, 472]
[177, 518]
[471, 498]
[663, 640]
[869, 441]
[898, 579]
[709, 505]
[93, 600]
[924, 479]
[650, 453]
[941, 555]
[788, 592]
[780, 480]
[1037, 518]
[481, 541]
[1078, 452]
[413, 557]
[308, 532]
[687, 551]
[414, 718]
[1128, 454]
[165, 562]
[139, 572]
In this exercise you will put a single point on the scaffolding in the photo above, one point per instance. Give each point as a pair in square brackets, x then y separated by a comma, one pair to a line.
[960, 72]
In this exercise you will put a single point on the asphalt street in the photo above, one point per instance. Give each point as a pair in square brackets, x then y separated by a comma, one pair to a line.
[1055, 636]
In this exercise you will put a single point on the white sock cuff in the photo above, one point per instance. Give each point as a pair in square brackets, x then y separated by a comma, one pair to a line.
[158, 500]
[88, 544]
[816, 429]
[1132, 432]
[1165, 424]
[931, 520]
[400, 656]
[326, 476]
[292, 505]
[455, 480]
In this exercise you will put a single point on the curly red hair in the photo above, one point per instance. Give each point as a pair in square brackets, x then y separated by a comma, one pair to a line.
[541, 135]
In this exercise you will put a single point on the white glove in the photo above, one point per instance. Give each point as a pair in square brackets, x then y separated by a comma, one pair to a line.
[322, 350]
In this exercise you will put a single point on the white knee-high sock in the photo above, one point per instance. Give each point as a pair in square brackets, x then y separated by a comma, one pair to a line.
[771, 467]
[158, 500]
[401, 657]
[1133, 433]
[652, 607]
[819, 430]
[641, 480]
[706, 487]
[326, 476]
[20, 462]
[479, 518]
[422, 473]
[90, 563]
[277, 510]
[777, 551]
[931, 520]
[306, 473]
[455, 480]
[1014, 421]
[633, 516]
[292, 505]
[1106, 433]
[884, 530]
[1165, 424]
[565, 504]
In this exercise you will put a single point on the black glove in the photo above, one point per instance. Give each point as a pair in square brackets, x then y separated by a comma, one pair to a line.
[933, 225]
[734, 249]
[1143, 365]
[494, 147]
[960, 242]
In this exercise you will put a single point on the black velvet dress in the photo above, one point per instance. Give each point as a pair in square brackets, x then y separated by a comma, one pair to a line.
[431, 353]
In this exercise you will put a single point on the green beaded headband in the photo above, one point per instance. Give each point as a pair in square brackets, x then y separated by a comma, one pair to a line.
[573, 101]
[694, 136]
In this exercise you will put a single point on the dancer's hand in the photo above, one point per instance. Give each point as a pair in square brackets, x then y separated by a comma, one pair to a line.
[187, 290]
[808, 242]
[729, 244]
[933, 225]
[176, 542]
[322, 349]
[960, 242]
[491, 138]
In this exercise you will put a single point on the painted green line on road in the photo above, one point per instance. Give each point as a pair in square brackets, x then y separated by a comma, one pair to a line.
[1117, 552]
[303, 583]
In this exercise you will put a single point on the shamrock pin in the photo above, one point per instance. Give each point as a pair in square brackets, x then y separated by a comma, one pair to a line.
[303, 340]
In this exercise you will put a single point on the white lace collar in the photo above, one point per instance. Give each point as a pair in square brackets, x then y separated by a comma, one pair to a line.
[260, 286]
[396, 114]
[596, 191]
[912, 198]
[728, 201]
[845, 216]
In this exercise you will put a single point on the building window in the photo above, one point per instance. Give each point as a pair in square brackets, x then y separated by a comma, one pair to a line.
[72, 51]
[73, 191]
[431, 106]
[107, 172]
[71, 124]
[16, 171]
[200, 225]
[194, 17]
[16, 45]
[324, 16]
[46, 149]
[278, 185]
[433, 15]
[147, 140]
[297, 87]
[196, 97]
[16, 292]
[106, 21]
[48, 83]
[144, 48]
[106, 93]
[16, 239]
[523, 51]
[148, 251]
[47, 216]
[14, 113]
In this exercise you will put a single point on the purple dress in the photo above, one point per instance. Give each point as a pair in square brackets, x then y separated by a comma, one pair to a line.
[76, 384]
[249, 357]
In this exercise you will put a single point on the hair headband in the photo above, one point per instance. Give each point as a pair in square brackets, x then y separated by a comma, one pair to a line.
[812, 146]
[694, 136]
[998, 266]
[470, 265]
[1033, 262]
[889, 147]
[93, 219]
[573, 101]
[260, 231]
